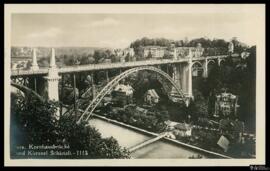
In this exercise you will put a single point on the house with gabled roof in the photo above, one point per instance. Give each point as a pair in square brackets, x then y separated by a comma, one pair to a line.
[151, 97]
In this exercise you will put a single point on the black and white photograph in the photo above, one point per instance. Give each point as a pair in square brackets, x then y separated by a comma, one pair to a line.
[167, 83]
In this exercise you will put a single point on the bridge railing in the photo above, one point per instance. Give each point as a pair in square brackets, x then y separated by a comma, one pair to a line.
[101, 66]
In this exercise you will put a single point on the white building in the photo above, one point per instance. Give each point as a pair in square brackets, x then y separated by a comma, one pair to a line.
[127, 89]
[171, 124]
[154, 51]
[129, 51]
[245, 55]
[151, 97]
[226, 105]
[231, 47]
[183, 130]
[124, 52]
[194, 52]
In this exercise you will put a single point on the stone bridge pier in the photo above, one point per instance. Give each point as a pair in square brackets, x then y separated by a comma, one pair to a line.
[182, 75]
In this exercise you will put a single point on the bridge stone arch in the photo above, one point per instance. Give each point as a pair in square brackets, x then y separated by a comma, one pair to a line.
[109, 87]
[27, 90]
[210, 61]
[195, 70]
[220, 60]
[197, 62]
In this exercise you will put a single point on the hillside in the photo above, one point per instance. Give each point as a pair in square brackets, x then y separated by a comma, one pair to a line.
[17, 52]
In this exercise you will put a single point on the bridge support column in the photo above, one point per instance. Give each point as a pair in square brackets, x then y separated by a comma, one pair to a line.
[182, 75]
[35, 84]
[205, 68]
[219, 61]
[93, 85]
[176, 75]
[186, 80]
[107, 77]
[52, 80]
[189, 85]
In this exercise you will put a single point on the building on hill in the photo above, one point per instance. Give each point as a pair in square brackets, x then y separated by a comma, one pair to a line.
[129, 51]
[176, 52]
[226, 105]
[107, 61]
[151, 97]
[124, 52]
[230, 48]
[123, 94]
[171, 125]
[182, 52]
[183, 130]
[245, 55]
[154, 51]
[141, 110]
[127, 89]
[234, 129]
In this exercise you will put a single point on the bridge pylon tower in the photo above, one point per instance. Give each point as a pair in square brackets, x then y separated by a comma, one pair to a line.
[52, 79]
[34, 61]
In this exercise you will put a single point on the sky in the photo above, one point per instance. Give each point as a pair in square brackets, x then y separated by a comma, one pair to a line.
[119, 30]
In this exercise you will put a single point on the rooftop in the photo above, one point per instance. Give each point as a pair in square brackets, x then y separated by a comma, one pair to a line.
[228, 95]
[124, 88]
[152, 93]
[182, 126]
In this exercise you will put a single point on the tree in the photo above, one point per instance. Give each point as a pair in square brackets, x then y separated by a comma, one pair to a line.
[149, 56]
[139, 52]
[84, 137]
[240, 81]
[128, 58]
[99, 55]
[28, 65]
[115, 58]
[86, 60]
[34, 122]
[238, 46]
[179, 43]
[167, 56]
[43, 62]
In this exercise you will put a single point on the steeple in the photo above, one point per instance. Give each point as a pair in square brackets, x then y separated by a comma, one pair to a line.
[52, 60]
[52, 79]
[34, 62]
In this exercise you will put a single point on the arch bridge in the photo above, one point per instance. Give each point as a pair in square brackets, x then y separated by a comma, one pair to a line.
[180, 77]
[109, 87]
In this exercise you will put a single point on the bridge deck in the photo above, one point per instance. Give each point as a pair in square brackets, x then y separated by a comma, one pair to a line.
[106, 66]
[147, 142]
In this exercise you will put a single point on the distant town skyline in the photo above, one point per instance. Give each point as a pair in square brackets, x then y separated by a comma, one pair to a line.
[119, 30]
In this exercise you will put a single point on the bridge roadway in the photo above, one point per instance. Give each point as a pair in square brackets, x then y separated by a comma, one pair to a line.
[107, 66]
[147, 142]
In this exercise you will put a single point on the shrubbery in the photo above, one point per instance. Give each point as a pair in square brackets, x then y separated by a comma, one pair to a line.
[151, 120]
[34, 122]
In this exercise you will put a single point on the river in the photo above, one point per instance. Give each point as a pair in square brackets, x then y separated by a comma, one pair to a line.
[128, 138]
